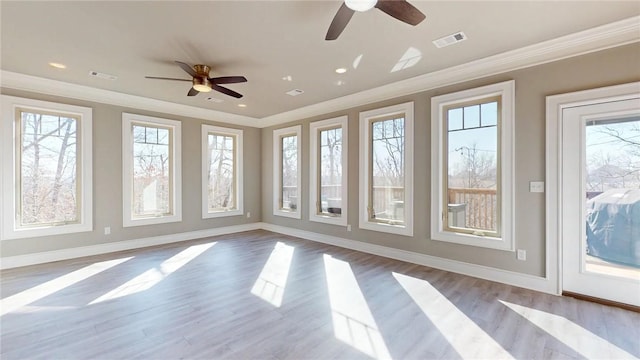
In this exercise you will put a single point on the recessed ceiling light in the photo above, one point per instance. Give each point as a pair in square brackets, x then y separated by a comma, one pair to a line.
[340, 82]
[57, 65]
[287, 78]
[341, 70]
[242, 105]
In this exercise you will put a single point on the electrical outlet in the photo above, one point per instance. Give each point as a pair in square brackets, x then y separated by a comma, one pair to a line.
[107, 230]
[349, 227]
[522, 254]
[248, 214]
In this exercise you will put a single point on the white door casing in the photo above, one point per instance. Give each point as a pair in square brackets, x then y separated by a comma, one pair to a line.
[566, 118]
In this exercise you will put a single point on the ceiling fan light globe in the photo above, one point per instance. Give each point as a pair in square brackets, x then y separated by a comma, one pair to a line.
[360, 5]
[201, 87]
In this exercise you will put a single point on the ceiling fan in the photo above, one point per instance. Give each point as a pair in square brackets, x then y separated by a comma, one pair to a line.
[399, 9]
[203, 83]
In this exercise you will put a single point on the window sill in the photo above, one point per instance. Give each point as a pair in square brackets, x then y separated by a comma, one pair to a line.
[151, 221]
[387, 228]
[46, 231]
[473, 240]
[289, 214]
[221, 213]
[326, 219]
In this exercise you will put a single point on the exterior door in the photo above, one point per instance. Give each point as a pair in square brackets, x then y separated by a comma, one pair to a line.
[600, 197]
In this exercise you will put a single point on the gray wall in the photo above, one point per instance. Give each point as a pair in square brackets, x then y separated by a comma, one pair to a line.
[107, 182]
[609, 67]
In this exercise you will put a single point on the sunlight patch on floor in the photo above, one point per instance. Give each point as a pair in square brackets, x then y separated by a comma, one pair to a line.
[153, 276]
[273, 277]
[586, 343]
[353, 322]
[38, 292]
[462, 333]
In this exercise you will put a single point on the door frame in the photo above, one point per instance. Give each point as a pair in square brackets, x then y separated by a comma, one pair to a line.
[555, 106]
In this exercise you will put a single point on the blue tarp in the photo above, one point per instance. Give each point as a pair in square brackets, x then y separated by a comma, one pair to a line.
[613, 226]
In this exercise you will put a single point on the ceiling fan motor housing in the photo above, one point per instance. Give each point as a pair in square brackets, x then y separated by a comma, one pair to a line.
[201, 80]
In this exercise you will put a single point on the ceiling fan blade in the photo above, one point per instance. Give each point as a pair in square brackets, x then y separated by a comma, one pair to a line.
[401, 10]
[228, 79]
[193, 92]
[165, 78]
[339, 22]
[187, 68]
[224, 90]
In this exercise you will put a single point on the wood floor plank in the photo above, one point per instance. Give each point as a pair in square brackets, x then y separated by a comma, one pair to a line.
[163, 303]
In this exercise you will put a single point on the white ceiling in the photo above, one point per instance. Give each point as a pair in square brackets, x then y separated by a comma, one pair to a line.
[268, 40]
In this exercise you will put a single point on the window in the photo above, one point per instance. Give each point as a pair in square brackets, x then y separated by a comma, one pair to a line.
[221, 171]
[151, 170]
[328, 178]
[472, 169]
[386, 169]
[47, 171]
[287, 172]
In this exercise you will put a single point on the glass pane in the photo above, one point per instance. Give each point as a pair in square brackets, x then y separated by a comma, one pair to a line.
[471, 116]
[472, 169]
[48, 169]
[152, 135]
[489, 114]
[151, 173]
[387, 176]
[331, 172]
[289, 173]
[221, 193]
[613, 197]
[454, 117]
[163, 136]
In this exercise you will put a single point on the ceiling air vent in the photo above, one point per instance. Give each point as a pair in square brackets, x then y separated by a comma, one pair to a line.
[450, 40]
[294, 92]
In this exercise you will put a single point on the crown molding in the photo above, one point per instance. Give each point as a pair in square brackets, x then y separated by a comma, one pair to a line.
[40, 85]
[599, 38]
[595, 39]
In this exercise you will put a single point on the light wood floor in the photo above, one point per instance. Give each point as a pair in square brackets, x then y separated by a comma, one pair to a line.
[268, 296]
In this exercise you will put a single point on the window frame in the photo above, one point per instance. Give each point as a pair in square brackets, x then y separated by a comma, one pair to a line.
[366, 119]
[504, 238]
[277, 173]
[9, 169]
[128, 120]
[237, 134]
[315, 129]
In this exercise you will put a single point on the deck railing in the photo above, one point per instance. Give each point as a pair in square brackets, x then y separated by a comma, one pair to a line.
[479, 204]
[480, 207]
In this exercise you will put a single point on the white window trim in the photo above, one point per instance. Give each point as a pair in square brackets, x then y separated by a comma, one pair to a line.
[364, 223]
[127, 166]
[10, 230]
[506, 90]
[237, 134]
[314, 130]
[277, 170]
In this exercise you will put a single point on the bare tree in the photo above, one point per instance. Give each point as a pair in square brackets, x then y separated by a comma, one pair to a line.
[48, 142]
[478, 167]
[221, 172]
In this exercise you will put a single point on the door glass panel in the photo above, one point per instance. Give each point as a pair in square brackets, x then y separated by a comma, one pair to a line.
[612, 196]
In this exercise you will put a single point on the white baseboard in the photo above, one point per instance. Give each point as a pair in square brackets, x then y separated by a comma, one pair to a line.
[479, 271]
[72, 253]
